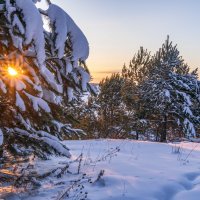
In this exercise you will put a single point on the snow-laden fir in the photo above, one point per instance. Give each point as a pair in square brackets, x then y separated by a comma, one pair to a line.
[50, 70]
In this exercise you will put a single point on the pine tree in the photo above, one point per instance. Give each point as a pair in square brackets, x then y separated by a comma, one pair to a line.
[170, 93]
[87, 117]
[135, 74]
[40, 72]
[138, 67]
[112, 112]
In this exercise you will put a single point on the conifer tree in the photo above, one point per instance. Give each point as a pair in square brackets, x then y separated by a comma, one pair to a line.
[138, 67]
[135, 74]
[40, 72]
[112, 113]
[87, 117]
[162, 92]
[170, 93]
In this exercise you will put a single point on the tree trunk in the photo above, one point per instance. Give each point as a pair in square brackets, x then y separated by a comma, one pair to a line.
[163, 137]
[137, 135]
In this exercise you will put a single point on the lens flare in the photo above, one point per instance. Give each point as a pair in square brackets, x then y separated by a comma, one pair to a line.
[12, 71]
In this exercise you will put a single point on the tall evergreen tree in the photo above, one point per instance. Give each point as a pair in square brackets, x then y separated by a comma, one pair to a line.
[170, 93]
[135, 74]
[40, 72]
[138, 68]
[112, 114]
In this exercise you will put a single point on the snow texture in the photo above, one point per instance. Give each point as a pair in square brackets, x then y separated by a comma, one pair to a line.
[24, 122]
[65, 27]
[20, 103]
[189, 128]
[1, 137]
[140, 171]
[50, 78]
[58, 125]
[33, 27]
[38, 103]
[167, 93]
[69, 67]
[187, 111]
[52, 141]
[52, 97]
[45, 134]
[3, 86]
[70, 94]
[20, 85]
[85, 78]
[16, 22]
[185, 97]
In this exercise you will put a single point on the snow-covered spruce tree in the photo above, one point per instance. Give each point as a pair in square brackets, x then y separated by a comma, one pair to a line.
[171, 94]
[40, 72]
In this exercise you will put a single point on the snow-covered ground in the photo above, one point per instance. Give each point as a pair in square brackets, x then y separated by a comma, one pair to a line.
[144, 170]
[139, 171]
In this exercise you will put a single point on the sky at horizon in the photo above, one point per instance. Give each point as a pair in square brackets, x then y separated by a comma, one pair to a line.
[116, 29]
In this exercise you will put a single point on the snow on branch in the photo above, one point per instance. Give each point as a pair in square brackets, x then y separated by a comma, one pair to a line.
[1, 137]
[38, 103]
[3, 86]
[65, 27]
[189, 128]
[46, 138]
[67, 129]
[85, 78]
[50, 78]
[33, 27]
[19, 102]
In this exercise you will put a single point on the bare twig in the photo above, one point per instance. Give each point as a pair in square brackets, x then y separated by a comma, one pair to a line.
[100, 175]
[80, 162]
[191, 152]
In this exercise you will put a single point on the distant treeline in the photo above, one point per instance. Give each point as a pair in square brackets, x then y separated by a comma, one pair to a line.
[155, 97]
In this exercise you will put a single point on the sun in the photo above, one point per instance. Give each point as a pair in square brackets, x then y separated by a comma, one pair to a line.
[12, 71]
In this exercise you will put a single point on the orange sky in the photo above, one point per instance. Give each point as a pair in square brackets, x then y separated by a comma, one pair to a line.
[116, 29]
